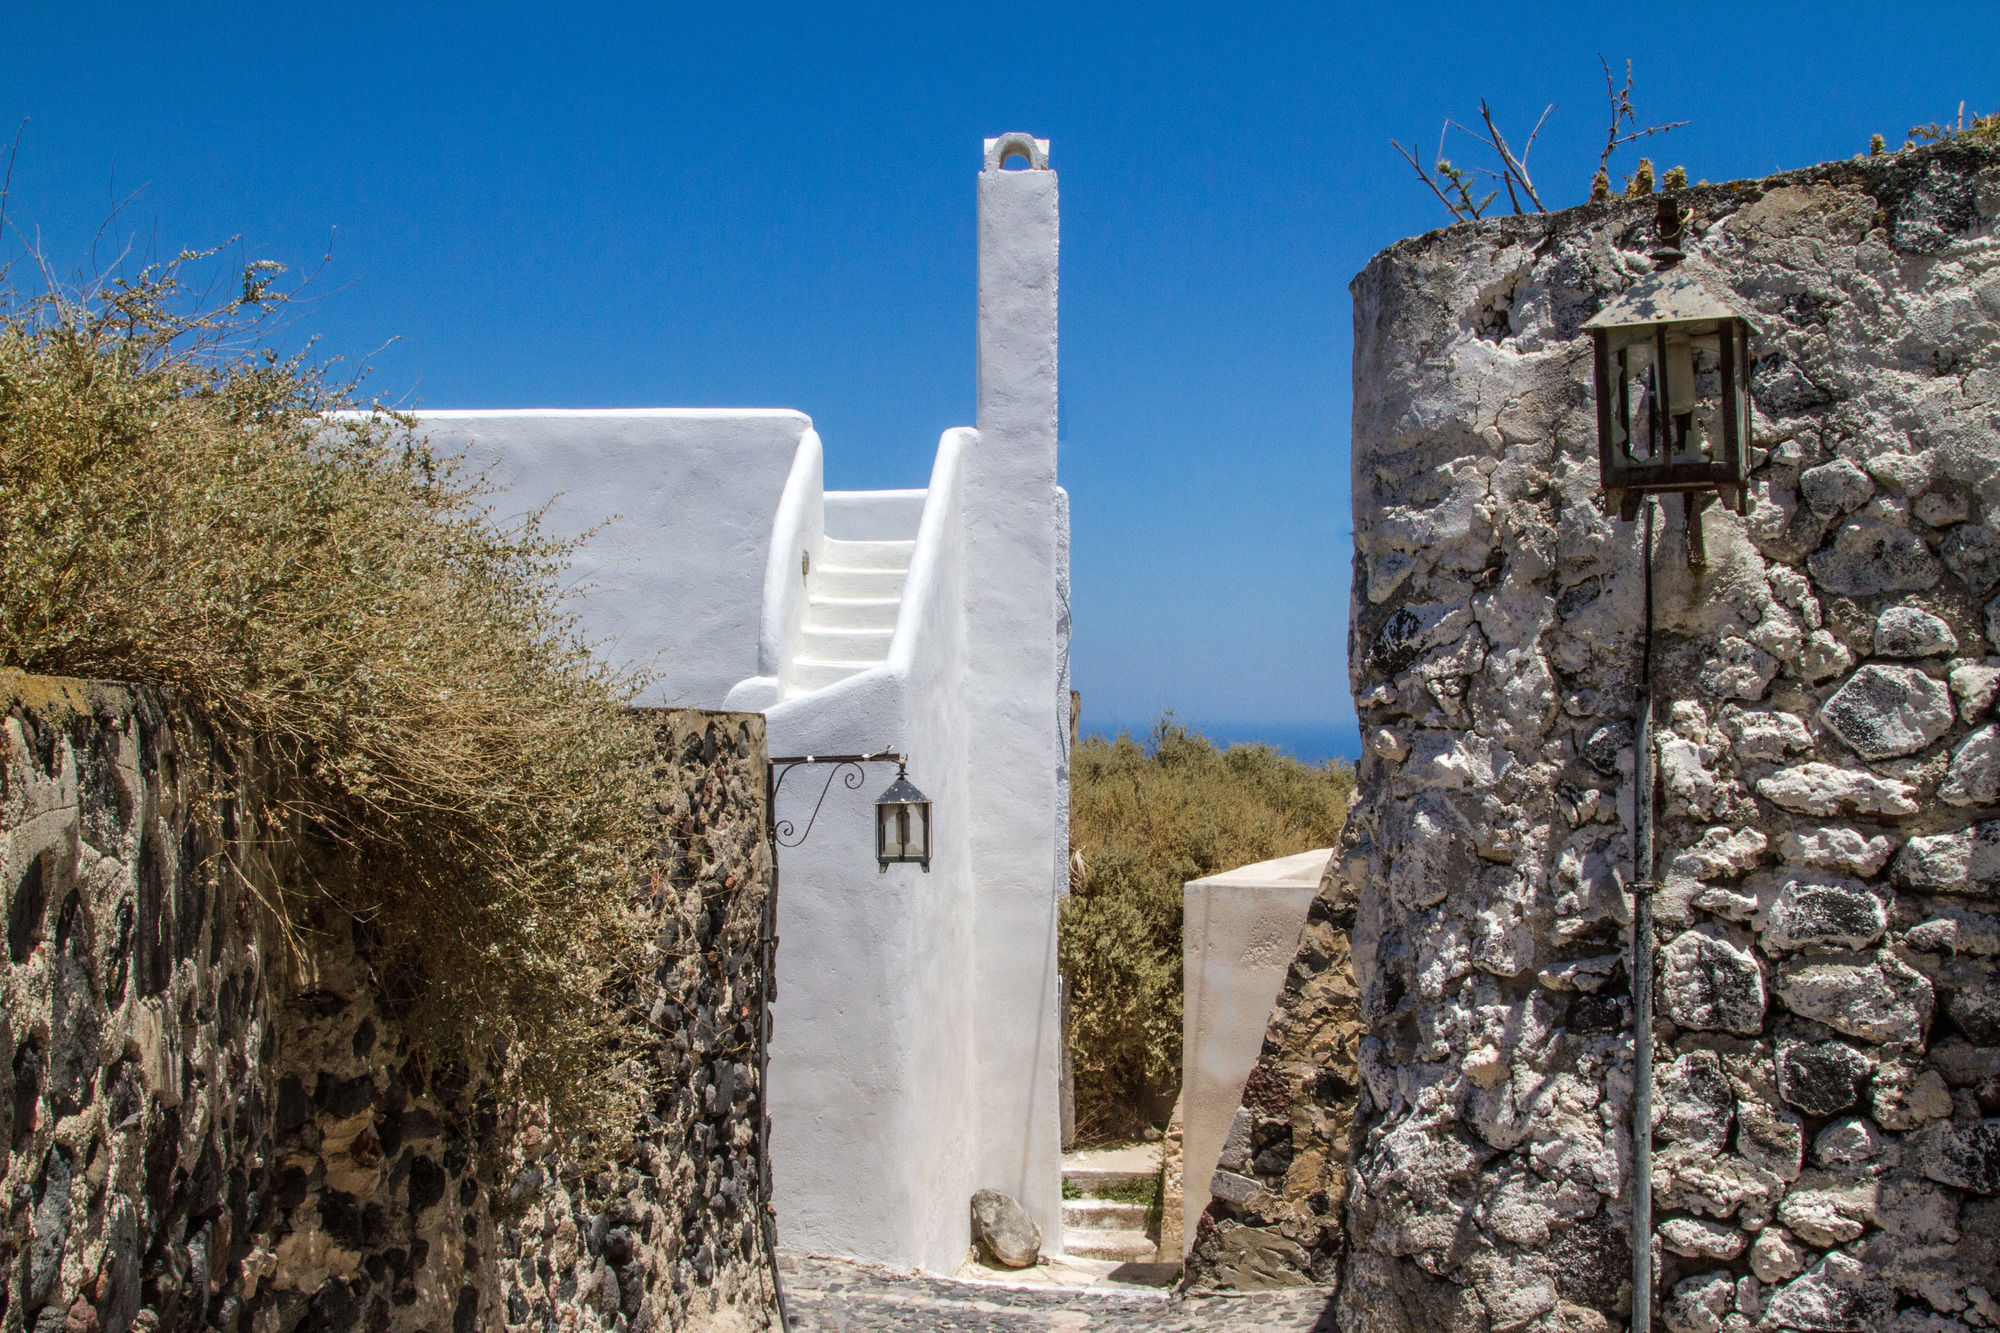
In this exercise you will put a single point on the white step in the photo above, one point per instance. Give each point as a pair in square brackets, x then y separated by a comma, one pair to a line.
[809, 674]
[866, 555]
[1122, 1246]
[1103, 1215]
[852, 613]
[864, 647]
[842, 582]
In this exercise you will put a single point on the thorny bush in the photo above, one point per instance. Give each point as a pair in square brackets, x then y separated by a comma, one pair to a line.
[1143, 821]
[442, 757]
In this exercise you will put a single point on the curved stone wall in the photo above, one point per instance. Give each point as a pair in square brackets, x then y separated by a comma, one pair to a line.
[1827, 1097]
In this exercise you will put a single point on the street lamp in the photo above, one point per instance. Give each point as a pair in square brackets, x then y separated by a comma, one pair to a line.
[902, 824]
[1672, 367]
[1672, 362]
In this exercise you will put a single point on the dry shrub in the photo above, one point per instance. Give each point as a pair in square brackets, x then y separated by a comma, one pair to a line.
[1147, 819]
[440, 750]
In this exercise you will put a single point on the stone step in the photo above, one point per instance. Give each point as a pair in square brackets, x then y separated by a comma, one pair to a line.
[1103, 1215]
[1123, 1247]
[1088, 1180]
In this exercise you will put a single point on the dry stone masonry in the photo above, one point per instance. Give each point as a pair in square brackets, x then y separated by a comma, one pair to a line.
[1827, 1050]
[197, 1137]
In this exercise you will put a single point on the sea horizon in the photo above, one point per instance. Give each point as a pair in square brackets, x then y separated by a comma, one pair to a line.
[1312, 742]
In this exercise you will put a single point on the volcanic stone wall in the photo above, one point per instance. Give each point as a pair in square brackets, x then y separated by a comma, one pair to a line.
[206, 1129]
[1827, 1051]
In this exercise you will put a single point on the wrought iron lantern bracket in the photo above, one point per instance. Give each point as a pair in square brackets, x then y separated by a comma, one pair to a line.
[850, 771]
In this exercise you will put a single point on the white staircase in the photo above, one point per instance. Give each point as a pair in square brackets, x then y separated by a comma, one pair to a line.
[853, 593]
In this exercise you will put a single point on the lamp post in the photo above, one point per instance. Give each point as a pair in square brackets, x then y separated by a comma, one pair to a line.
[902, 835]
[1671, 361]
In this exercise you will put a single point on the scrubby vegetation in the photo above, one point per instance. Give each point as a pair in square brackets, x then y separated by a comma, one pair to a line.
[445, 760]
[1144, 819]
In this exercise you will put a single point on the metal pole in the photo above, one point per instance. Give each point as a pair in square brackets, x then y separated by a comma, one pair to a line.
[766, 988]
[1642, 959]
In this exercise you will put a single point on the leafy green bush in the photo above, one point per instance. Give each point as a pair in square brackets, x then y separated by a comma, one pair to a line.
[444, 758]
[1145, 820]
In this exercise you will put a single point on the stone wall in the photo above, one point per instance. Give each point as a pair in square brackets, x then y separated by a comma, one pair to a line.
[1827, 1052]
[209, 1129]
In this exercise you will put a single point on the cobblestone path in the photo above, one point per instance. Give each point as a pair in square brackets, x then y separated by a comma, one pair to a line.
[830, 1296]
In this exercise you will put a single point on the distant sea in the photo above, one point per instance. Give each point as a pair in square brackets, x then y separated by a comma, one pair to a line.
[1313, 742]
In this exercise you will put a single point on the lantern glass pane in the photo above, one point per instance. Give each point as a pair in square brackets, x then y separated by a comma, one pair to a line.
[1694, 394]
[1633, 417]
[902, 831]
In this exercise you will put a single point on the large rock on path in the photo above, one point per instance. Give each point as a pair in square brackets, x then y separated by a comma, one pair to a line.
[1002, 1227]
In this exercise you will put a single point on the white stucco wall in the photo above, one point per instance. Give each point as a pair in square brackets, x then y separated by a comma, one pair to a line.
[873, 1082]
[914, 1059]
[1013, 661]
[681, 501]
[1239, 931]
[917, 1039]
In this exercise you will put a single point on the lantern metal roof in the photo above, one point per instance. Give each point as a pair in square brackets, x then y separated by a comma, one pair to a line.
[901, 792]
[1685, 293]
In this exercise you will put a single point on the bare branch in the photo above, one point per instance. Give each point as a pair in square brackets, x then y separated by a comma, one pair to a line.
[1515, 170]
[1654, 129]
[1623, 114]
[1425, 177]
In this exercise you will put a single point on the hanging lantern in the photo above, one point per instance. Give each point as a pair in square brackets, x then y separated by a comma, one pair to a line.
[902, 824]
[1672, 361]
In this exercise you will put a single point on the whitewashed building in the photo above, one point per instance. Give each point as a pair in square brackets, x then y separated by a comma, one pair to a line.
[917, 1043]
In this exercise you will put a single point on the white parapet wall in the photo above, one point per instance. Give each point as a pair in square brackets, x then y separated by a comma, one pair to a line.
[1239, 931]
[675, 508]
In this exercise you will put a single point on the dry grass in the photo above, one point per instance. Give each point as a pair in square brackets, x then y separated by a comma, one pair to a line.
[1146, 820]
[176, 507]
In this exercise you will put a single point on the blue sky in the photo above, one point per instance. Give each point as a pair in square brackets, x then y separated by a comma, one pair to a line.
[771, 205]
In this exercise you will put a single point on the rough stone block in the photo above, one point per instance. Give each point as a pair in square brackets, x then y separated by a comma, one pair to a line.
[1965, 863]
[1002, 1227]
[1869, 557]
[1775, 1256]
[1693, 1102]
[1879, 998]
[1972, 552]
[1835, 488]
[1975, 685]
[1907, 631]
[1974, 777]
[1823, 914]
[1842, 850]
[1963, 1155]
[1824, 1209]
[1821, 1079]
[1885, 711]
[1836, 1295]
[1826, 789]
[1709, 980]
